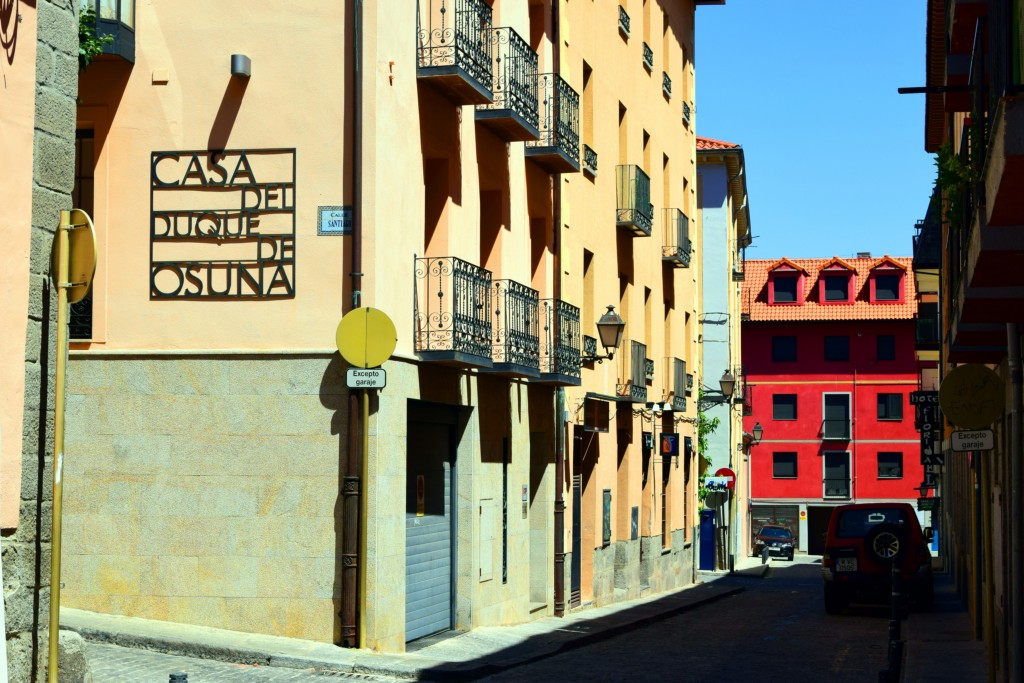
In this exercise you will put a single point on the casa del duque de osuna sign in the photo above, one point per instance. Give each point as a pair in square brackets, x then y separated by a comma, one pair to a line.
[222, 224]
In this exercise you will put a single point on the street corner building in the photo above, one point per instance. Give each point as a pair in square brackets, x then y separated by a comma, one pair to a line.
[511, 183]
[831, 365]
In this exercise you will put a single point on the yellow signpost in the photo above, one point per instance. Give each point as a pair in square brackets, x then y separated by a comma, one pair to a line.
[72, 267]
[972, 396]
[366, 337]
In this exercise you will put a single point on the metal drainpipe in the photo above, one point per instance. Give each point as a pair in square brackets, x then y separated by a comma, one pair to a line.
[560, 426]
[353, 524]
[1017, 510]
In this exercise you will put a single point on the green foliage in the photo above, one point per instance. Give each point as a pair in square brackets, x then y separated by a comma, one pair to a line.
[89, 44]
[956, 176]
[705, 427]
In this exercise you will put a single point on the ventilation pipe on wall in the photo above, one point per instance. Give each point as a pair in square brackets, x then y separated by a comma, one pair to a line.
[560, 424]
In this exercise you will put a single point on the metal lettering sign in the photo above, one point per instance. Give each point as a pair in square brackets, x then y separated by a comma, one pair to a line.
[222, 224]
[918, 398]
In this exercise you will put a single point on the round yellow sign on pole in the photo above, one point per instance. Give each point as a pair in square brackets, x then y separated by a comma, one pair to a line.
[972, 396]
[81, 255]
[366, 337]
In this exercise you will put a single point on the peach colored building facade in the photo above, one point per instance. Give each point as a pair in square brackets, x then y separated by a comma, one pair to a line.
[209, 427]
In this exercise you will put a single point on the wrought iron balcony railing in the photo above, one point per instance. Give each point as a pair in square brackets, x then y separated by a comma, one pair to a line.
[633, 190]
[738, 271]
[678, 387]
[589, 160]
[515, 329]
[666, 85]
[648, 369]
[513, 111]
[836, 488]
[633, 386]
[454, 48]
[689, 383]
[835, 430]
[560, 343]
[452, 314]
[686, 113]
[927, 331]
[648, 57]
[676, 248]
[558, 147]
[623, 21]
[589, 346]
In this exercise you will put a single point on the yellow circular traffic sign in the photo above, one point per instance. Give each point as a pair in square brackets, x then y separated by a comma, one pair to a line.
[81, 255]
[972, 396]
[366, 337]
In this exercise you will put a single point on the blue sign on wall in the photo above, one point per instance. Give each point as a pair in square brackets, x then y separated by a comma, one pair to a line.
[334, 220]
[670, 443]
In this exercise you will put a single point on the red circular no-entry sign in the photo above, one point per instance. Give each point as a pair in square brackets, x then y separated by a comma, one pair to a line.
[729, 475]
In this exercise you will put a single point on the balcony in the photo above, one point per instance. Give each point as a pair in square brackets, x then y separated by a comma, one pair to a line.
[835, 430]
[738, 271]
[961, 17]
[513, 112]
[115, 20]
[557, 150]
[666, 86]
[623, 22]
[677, 389]
[928, 336]
[589, 346]
[633, 191]
[836, 489]
[589, 161]
[632, 386]
[648, 58]
[985, 243]
[686, 114]
[689, 384]
[649, 369]
[515, 329]
[676, 249]
[560, 343]
[454, 49]
[452, 315]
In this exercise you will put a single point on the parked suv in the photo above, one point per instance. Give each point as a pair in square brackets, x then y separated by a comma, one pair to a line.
[862, 542]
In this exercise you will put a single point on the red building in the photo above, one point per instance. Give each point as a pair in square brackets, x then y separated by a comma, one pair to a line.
[829, 363]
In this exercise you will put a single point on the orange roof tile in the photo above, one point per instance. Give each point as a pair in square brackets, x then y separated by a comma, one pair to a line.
[711, 143]
[755, 292]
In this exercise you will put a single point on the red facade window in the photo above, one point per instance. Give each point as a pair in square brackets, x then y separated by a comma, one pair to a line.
[887, 283]
[835, 282]
[786, 284]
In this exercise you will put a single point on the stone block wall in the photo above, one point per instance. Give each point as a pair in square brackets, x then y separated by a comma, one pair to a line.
[26, 549]
[206, 490]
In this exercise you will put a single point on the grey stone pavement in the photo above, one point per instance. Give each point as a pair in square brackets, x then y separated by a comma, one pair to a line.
[939, 645]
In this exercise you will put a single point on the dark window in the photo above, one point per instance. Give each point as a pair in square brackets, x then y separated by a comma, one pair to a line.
[784, 406]
[837, 288]
[890, 465]
[837, 347]
[886, 347]
[836, 420]
[890, 406]
[887, 287]
[80, 313]
[785, 289]
[784, 349]
[784, 465]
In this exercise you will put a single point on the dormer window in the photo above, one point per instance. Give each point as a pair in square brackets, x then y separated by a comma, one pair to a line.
[837, 288]
[785, 289]
[786, 283]
[887, 282]
[835, 282]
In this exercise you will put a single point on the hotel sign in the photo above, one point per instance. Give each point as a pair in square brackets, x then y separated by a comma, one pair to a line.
[222, 224]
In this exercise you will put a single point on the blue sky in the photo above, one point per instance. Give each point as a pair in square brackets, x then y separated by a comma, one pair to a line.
[834, 155]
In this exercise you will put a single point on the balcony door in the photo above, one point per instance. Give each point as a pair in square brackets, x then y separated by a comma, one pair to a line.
[836, 417]
[836, 483]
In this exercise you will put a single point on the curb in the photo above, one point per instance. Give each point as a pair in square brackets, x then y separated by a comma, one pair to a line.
[396, 666]
[455, 675]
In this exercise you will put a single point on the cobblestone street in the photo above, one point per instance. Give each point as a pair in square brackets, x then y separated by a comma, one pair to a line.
[114, 664]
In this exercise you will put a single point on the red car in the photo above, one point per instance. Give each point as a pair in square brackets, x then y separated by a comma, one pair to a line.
[777, 539]
[863, 542]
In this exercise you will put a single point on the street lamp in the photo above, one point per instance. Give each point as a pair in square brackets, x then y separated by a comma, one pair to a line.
[710, 397]
[757, 432]
[609, 329]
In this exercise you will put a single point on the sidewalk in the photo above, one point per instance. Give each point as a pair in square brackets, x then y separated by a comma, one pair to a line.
[940, 644]
[463, 657]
